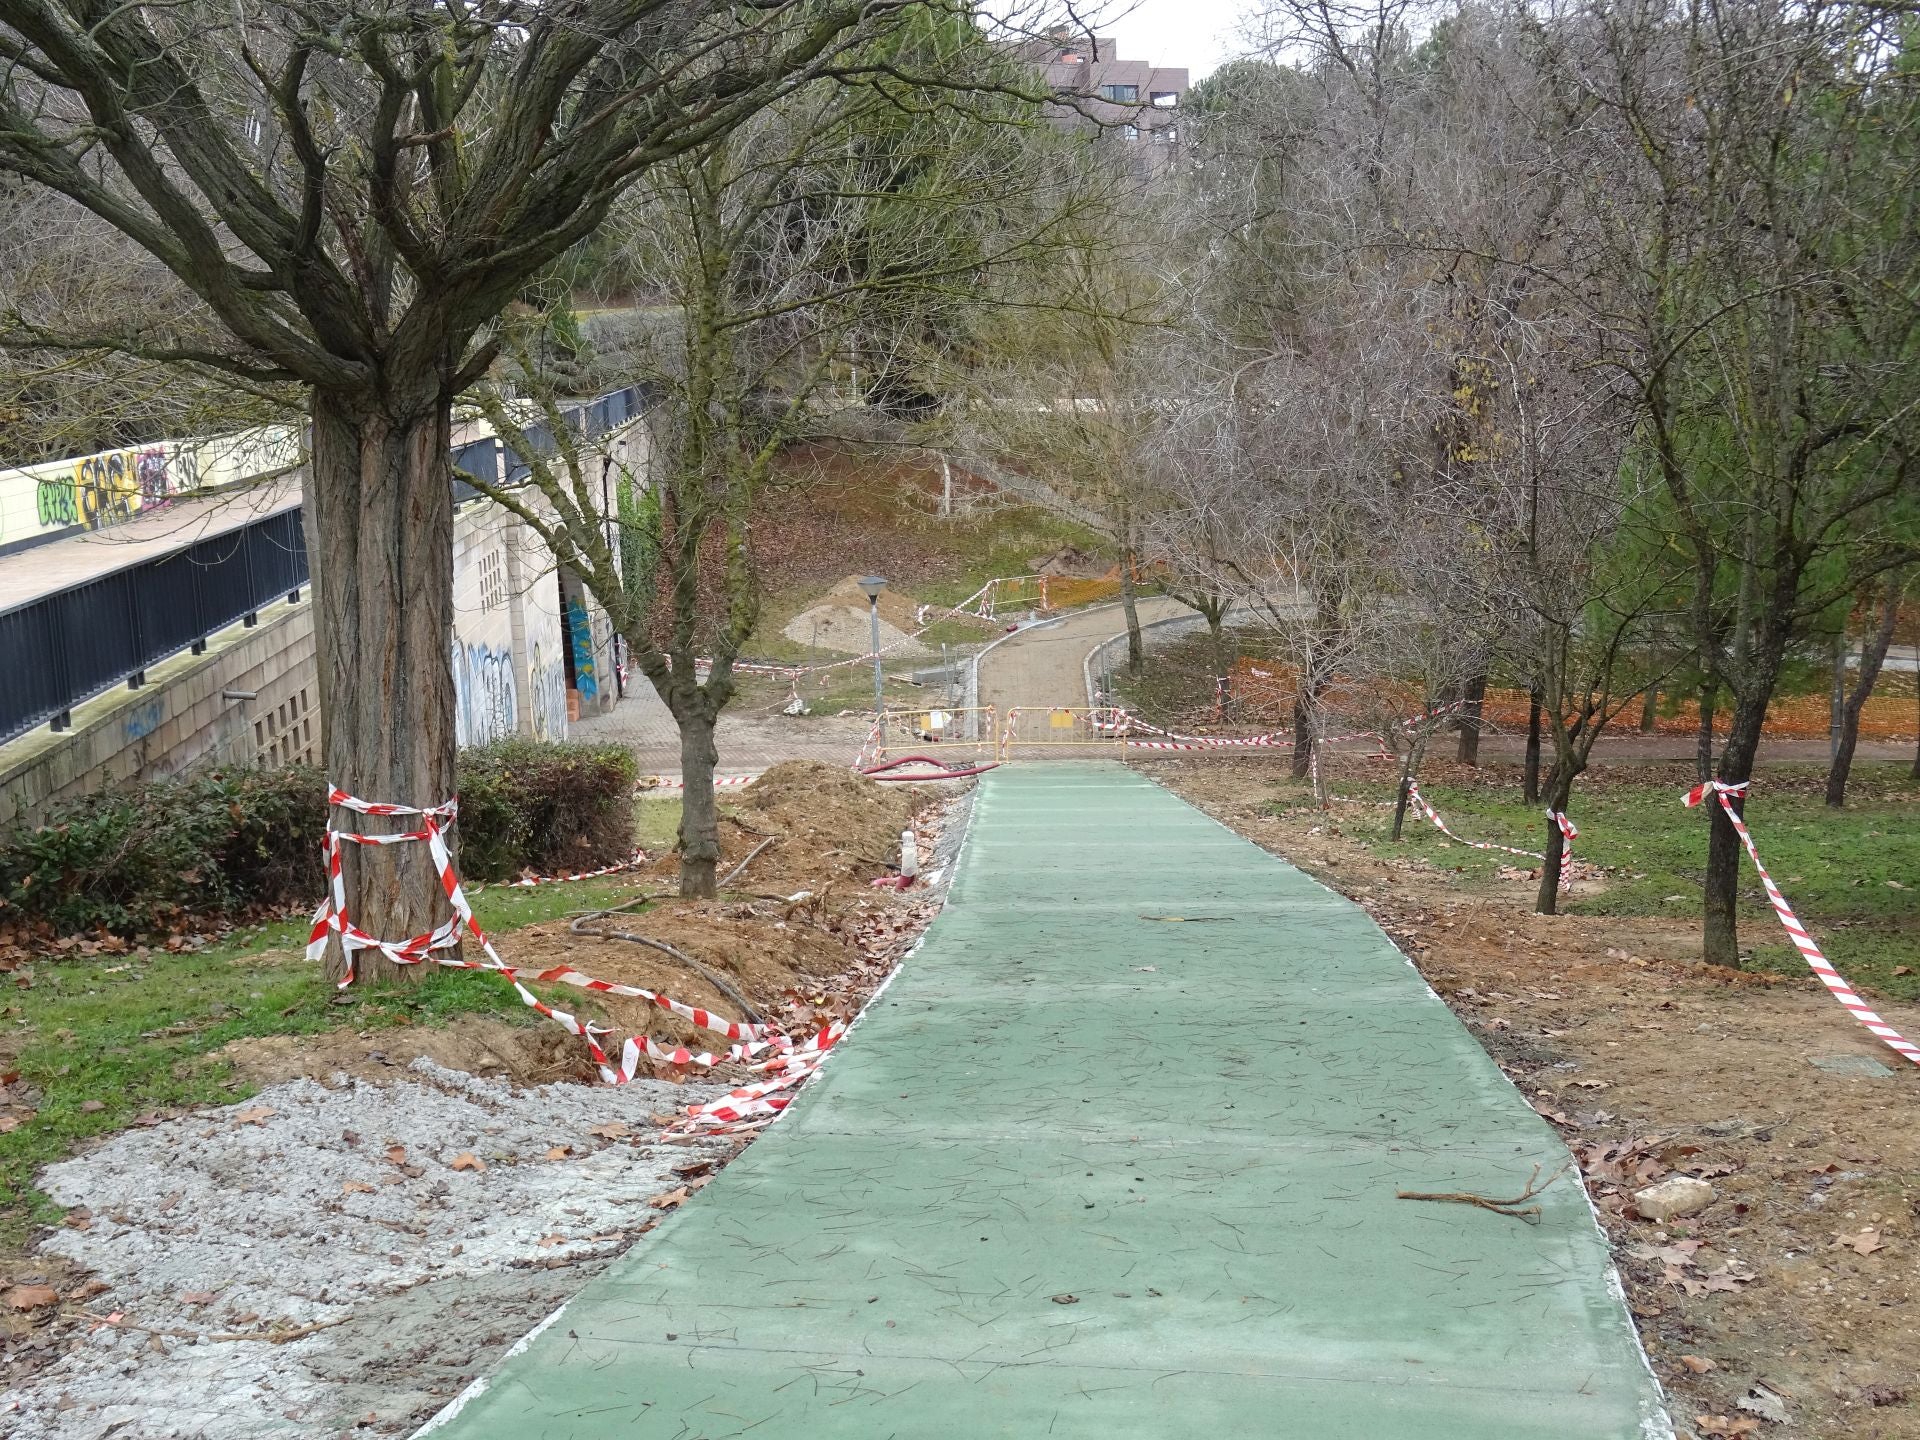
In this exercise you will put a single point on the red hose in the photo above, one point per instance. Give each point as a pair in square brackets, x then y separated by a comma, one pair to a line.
[878, 772]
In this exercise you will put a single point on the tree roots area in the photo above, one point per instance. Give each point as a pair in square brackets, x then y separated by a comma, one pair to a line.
[1790, 1304]
[335, 1228]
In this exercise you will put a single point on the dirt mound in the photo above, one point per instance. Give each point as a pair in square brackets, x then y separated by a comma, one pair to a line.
[478, 1044]
[840, 621]
[848, 630]
[831, 821]
[775, 955]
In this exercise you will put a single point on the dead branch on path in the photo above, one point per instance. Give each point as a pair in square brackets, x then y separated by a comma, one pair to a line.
[1513, 1207]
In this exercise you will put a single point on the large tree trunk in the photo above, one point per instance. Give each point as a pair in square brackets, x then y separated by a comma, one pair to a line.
[699, 813]
[1530, 778]
[1650, 707]
[1836, 697]
[1303, 735]
[1476, 698]
[380, 515]
[1873, 655]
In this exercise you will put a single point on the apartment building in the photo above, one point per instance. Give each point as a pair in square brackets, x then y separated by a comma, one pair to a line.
[1135, 102]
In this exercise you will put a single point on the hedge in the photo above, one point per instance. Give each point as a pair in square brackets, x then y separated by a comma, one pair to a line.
[164, 855]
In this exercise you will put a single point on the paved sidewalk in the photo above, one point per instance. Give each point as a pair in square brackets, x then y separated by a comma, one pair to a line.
[1115, 1156]
[1045, 665]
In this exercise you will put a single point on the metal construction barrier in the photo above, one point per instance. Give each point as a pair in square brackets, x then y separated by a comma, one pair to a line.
[968, 731]
[1027, 727]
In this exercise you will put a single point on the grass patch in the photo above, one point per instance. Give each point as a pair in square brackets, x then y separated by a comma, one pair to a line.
[656, 824]
[108, 1038]
[1852, 875]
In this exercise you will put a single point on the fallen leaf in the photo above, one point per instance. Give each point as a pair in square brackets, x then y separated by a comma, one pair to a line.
[31, 1297]
[1865, 1243]
[79, 1218]
[1065, 1299]
[559, 1152]
[1765, 1404]
[1903, 969]
[199, 1297]
[669, 1199]
[397, 1154]
[1594, 1084]
[1698, 1364]
[258, 1115]
[466, 1160]
[611, 1130]
[92, 1107]
[356, 1187]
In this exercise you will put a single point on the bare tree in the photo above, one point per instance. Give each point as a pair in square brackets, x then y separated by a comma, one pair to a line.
[346, 195]
[843, 228]
[1749, 175]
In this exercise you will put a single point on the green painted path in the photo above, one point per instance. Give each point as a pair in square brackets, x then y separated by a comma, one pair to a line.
[1192, 1128]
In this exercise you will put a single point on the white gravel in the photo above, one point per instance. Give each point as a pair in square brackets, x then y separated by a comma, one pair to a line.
[433, 1273]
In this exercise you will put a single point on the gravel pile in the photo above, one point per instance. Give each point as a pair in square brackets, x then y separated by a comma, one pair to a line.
[421, 1226]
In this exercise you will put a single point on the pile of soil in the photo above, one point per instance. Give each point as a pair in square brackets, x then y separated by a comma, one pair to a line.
[840, 622]
[833, 823]
[1794, 1292]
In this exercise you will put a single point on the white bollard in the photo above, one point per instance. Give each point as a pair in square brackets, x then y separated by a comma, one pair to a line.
[909, 855]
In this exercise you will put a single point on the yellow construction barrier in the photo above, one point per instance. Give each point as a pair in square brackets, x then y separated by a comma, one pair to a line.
[1028, 726]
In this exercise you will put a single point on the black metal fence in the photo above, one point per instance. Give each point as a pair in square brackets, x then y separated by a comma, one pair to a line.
[61, 648]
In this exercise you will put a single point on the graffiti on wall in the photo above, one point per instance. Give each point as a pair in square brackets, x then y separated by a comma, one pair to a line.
[143, 720]
[486, 697]
[580, 636]
[549, 698]
[115, 485]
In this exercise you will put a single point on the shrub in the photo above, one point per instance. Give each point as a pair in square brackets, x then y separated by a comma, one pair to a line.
[525, 805]
[166, 854]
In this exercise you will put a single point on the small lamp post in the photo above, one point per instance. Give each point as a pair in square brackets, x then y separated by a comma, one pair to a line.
[871, 586]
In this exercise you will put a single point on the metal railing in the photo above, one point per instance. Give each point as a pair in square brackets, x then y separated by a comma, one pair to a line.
[59, 649]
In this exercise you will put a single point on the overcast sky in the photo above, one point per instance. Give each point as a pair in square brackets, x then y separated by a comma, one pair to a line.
[1199, 34]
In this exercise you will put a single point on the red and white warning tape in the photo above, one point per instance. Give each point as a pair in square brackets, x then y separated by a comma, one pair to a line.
[1559, 817]
[632, 862]
[1568, 834]
[792, 1061]
[1803, 942]
[674, 782]
[1413, 794]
